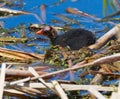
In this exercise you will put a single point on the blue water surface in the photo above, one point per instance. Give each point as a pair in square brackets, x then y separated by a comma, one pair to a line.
[94, 8]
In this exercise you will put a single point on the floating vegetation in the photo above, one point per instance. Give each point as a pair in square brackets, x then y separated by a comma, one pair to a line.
[59, 57]
[13, 40]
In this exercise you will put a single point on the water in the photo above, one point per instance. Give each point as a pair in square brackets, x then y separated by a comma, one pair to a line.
[94, 8]
[53, 7]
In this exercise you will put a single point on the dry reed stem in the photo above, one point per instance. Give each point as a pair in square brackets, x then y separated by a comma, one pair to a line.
[10, 11]
[69, 87]
[114, 95]
[118, 93]
[103, 60]
[70, 64]
[114, 31]
[17, 81]
[13, 92]
[2, 79]
[40, 79]
[27, 90]
[59, 90]
[96, 93]
[19, 54]
[98, 78]
[21, 73]
[105, 73]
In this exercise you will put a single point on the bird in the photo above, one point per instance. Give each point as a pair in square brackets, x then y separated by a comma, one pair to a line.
[73, 38]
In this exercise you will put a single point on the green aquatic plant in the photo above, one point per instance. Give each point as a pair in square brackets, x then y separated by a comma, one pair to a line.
[107, 4]
[60, 56]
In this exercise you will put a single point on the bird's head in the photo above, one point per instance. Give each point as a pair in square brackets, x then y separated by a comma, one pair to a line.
[48, 31]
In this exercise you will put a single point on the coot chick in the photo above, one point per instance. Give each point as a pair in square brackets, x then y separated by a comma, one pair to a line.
[74, 38]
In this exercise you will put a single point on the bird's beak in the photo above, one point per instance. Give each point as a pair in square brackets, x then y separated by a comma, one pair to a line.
[40, 32]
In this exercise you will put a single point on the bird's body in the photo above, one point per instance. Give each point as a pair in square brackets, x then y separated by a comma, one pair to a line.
[74, 38]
